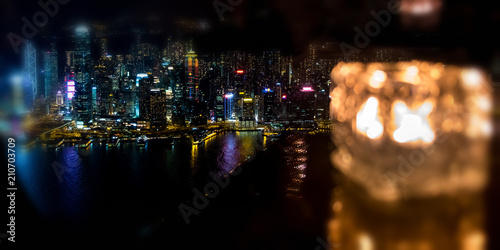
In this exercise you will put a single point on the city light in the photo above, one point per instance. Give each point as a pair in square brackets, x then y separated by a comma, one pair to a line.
[139, 77]
[307, 89]
[71, 89]
[82, 29]
[138, 125]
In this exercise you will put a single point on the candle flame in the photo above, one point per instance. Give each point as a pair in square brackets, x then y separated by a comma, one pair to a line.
[412, 125]
[367, 120]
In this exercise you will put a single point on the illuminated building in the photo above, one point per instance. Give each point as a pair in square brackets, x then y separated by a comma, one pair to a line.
[60, 98]
[305, 104]
[139, 77]
[70, 88]
[322, 110]
[81, 55]
[145, 85]
[228, 107]
[169, 103]
[247, 118]
[175, 80]
[241, 91]
[30, 76]
[94, 96]
[82, 105]
[70, 61]
[158, 108]
[269, 105]
[248, 109]
[192, 75]
[105, 96]
[272, 64]
[128, 100]
[103, 47]
[219, 108]
[50, 71]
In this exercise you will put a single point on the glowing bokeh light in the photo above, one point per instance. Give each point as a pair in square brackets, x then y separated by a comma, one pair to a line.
[378, 78]
[412, 125]
[367, 120]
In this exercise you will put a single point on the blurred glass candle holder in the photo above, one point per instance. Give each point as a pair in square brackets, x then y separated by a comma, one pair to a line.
[411, 129]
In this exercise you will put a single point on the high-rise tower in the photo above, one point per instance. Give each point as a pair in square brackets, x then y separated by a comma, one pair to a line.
[29, 76]
[50, 71]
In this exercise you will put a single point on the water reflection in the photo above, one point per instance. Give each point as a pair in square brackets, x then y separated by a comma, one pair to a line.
[77, 182]
[236, 148]
[72, 181]
[296, 164]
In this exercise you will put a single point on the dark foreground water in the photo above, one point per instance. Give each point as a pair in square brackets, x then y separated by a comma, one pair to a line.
[275, 194]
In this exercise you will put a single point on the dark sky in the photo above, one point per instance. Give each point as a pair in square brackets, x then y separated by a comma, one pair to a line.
[287, 24]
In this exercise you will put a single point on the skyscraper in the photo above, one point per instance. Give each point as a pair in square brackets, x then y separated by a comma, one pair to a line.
[82, 101]
[30, 76]
[81, 55]
[50, 70]
[158, 108]
[192, 75]
[269, 105]
[145, 85]
[169, 100]
[305, 101]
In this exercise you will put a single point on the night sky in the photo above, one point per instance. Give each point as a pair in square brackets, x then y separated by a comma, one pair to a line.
[255, 24]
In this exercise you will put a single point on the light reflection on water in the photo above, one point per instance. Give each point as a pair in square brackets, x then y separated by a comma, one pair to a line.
[90, 176]
[296, 164]
[75, 177]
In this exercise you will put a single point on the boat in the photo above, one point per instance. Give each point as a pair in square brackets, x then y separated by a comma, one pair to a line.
[113, 142]
[142, 141]
[83, 143]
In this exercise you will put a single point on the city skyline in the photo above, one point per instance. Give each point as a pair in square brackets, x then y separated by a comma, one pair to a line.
[262, 124]
[265, 86]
